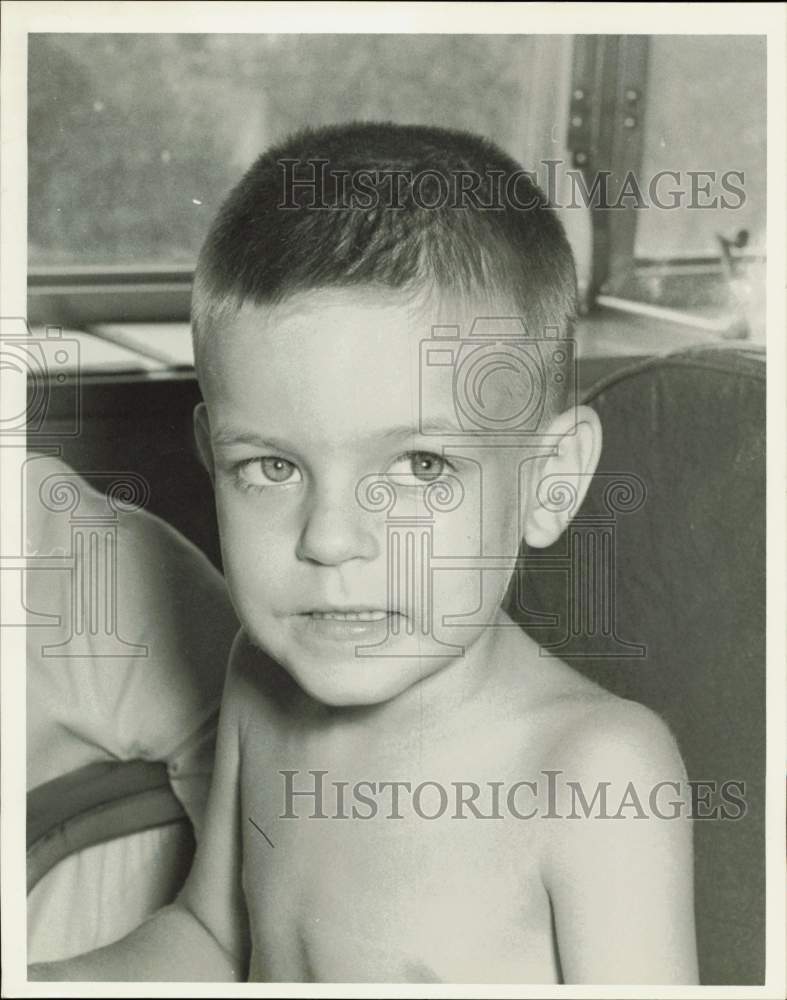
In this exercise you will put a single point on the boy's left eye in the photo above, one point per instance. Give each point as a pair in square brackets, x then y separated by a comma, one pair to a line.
[425, 466]
[269, 471]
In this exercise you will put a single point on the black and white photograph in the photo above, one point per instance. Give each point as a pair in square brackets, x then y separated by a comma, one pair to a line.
[392, 546]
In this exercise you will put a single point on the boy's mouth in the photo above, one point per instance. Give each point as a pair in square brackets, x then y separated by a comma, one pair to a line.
[360, 615]
[362, 624]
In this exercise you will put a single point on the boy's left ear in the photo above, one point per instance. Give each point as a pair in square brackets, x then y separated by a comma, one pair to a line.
[202, 436]
[557, 483]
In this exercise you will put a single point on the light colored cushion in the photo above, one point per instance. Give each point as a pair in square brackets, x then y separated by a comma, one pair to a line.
[158, 703]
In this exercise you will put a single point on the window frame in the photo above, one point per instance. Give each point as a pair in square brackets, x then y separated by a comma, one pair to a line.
[80, 297]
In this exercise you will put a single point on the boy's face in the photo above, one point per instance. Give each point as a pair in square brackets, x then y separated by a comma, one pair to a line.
[305, 401]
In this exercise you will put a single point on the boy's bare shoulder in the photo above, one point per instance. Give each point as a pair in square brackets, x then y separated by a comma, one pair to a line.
[585, 728]
[611, 738]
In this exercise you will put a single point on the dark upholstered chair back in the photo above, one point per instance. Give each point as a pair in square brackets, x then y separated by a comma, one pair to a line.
[674, 530]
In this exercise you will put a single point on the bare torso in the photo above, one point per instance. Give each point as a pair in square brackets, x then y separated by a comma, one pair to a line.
[371, 897]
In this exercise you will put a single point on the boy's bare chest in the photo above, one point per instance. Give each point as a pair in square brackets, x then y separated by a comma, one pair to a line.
[348, 878]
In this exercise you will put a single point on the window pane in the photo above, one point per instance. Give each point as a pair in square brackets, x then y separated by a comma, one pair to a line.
[135, 139]
[705, 111]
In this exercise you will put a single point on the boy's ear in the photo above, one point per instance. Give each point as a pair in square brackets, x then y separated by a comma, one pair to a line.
[558, 483]
[202, 437]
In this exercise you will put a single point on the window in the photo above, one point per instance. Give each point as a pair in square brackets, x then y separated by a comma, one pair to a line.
[134, 139]
[699, 119]
[676, 152]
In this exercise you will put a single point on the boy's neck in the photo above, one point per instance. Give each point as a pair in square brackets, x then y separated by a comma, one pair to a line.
[444, 697]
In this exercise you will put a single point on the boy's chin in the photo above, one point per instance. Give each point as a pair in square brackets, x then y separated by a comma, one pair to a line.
[362, 681]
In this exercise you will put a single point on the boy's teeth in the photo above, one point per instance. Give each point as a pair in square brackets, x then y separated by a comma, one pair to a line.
[352, 616]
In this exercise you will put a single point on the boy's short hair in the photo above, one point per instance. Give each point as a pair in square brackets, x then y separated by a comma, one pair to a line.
[407, 207]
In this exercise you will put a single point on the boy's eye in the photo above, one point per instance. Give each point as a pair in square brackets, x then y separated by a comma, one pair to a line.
[269, 471]
[425, 466]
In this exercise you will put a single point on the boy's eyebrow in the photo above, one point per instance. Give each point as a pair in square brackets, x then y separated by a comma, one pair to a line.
[425, 428]
[231, 435]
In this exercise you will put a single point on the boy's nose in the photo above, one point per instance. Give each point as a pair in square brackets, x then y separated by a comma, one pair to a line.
[336, 531]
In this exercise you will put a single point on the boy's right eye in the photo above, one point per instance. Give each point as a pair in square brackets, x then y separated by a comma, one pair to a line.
[268, 471]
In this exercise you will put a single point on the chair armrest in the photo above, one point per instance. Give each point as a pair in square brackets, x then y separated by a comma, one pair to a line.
[94, 804]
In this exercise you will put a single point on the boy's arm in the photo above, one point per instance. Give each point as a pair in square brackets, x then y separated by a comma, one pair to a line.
[171, 946]
[203, 935]
[622, 888]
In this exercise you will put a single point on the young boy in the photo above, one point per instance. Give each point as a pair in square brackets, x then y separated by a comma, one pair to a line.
[405, 790]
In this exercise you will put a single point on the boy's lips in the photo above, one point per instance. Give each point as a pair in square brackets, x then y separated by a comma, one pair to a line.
[347, 610]
[349, 623]
[360, 615]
